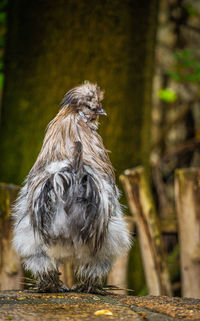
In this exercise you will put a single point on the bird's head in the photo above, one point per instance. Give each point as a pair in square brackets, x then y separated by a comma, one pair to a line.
[86, 101]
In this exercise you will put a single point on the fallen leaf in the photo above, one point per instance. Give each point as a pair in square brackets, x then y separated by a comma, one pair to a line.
[103, 312]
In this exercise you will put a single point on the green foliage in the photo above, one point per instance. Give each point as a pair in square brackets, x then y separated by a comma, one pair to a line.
[3, 19]
[186, 70]
[191, 10]
[3, 24]
[186, 67]
[174, 75]
[1, 80]
[3, 4]
[168, 95]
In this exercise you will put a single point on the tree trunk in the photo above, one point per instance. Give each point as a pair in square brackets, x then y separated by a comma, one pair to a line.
[11, 271]
[55, 45]
[187, 195]
[142, 207]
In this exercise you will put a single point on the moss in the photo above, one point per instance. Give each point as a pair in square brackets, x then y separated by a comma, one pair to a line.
[174, 264]
[8, 194]
[4, 202]
[109, 42]
[136, 279]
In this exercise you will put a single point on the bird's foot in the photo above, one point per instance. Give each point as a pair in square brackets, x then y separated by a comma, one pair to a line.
[84, 288]
[52, 289]
[63, 289]
[51, 283]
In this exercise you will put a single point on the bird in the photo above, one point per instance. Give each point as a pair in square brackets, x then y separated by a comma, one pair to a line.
[68, 209]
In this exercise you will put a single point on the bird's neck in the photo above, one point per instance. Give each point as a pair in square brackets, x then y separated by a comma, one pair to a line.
[63, 131]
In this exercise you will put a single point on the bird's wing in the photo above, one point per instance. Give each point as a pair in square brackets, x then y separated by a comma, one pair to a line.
[56, 189]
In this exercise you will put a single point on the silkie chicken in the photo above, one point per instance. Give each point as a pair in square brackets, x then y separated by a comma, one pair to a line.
[68, 208]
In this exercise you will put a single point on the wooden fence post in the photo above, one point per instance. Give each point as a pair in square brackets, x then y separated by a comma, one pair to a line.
[118, 275]
[11, 272]
[187, 196]
[67, 275]
[142, 207]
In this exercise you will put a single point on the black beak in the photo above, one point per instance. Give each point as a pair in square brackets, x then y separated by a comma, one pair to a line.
[101, 112]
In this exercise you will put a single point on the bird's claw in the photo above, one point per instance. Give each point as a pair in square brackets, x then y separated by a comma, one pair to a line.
[63, 289]
[94, 289]
[53, 289]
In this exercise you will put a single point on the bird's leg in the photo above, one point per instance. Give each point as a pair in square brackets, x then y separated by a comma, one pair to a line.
[45, 271]
[51, 283]
[91, 276]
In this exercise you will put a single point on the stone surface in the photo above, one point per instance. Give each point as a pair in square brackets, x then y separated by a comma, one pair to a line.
[24, 305]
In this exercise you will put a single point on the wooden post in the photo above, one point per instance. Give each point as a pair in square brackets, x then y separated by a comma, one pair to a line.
[67, 275]
[187, 196]
[11, 272]
[118, 274]
[142, 207]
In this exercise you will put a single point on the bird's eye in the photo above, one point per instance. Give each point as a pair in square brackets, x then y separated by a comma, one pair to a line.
[89, 107]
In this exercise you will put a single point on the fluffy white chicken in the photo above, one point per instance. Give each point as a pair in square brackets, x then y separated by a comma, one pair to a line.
[68, 208]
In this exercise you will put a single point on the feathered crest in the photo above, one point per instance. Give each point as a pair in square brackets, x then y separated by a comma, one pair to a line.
[81, 94]
[69, 127]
